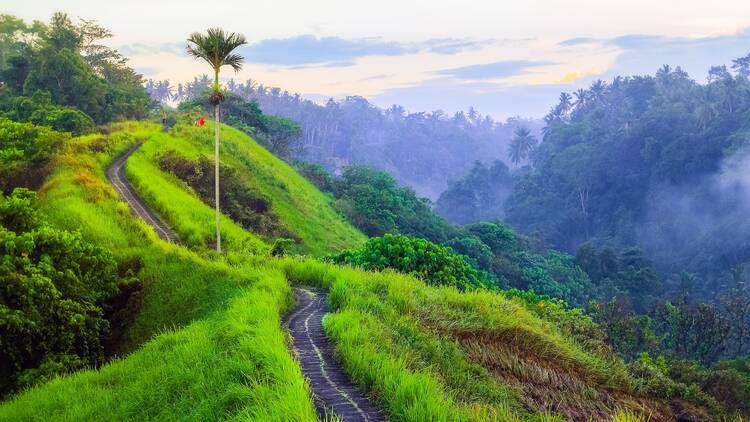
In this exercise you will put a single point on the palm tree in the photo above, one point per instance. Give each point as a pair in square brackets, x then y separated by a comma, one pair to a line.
[216, 47]
[550, 120]
[521, 145]
[596, 93]
[514, 151]
[565, 103]
[581, 97]
[180, 92]
[164, 91]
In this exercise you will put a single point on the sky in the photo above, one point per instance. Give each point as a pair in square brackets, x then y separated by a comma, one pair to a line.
[504, 58]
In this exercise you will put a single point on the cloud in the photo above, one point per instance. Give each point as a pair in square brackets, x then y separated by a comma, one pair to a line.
[493, 70]
[376, 77]
[639, 54]
[339, 63]
[645, 53]
[631, 41]
[572, 77]
[454, 45]
[310, 49]
[140, 49]
[641, 41]
[147, 71]
[577, 41]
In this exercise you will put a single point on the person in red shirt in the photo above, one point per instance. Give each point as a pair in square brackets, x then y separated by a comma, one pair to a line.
[201, 121]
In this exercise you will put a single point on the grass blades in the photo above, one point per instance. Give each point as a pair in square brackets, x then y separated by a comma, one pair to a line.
[301, 207]
[434, 353]
[205, 341]
[233, 365]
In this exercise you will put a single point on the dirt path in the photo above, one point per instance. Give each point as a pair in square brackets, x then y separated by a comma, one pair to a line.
[116, 176]
[334, 393]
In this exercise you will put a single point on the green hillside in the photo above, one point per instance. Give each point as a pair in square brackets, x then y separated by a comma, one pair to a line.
[303, 210]
[212, 346]
[205, 341]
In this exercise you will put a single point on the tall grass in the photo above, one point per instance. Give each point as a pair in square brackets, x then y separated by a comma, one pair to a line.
[413, 371]
[233, 365]
[177, 203]
[301, 207]
[206, 341]
[424, 351]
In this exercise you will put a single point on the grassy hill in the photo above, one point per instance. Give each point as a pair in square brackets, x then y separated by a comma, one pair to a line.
[301, 208]
[205, 336]
[205, 342]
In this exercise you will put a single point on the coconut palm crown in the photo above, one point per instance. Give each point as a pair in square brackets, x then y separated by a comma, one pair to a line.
[216, 47]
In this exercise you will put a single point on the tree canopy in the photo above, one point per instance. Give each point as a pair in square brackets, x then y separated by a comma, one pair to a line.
[64, 61]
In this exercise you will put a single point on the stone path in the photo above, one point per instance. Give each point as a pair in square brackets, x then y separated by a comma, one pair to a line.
[116, 176]
[334, 393]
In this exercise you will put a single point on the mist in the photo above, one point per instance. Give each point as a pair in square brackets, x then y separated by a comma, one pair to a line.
[423, 150]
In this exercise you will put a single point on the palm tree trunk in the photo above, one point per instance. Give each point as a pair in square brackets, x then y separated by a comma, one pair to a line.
[216, 175]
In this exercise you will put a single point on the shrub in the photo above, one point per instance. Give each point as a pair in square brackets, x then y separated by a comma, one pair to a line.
[54, 288]
[40, 110]
[433, 263]
[374, 203]
[66, 119]
[557, 275]
[25, 150]
[729, 382]
[317, 175]
[248, 207]
[281, 247]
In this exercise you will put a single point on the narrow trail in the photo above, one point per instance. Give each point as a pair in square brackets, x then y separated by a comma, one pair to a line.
[334, 393]
[116, 176]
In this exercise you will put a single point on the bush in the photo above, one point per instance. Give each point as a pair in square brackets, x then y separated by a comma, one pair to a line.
[730, 384]
[472, 247]
[54, 288]
[281, 247]
[557, 275]
[656, 377]
[374, 203]
[65, 119]
[317, 175]
[573, 322]
[25, 150]
[435, 264]
[248, 207]
[40, 110]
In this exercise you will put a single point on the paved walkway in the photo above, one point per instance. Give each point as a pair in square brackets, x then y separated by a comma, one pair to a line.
[116, 176]
[334, 393]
